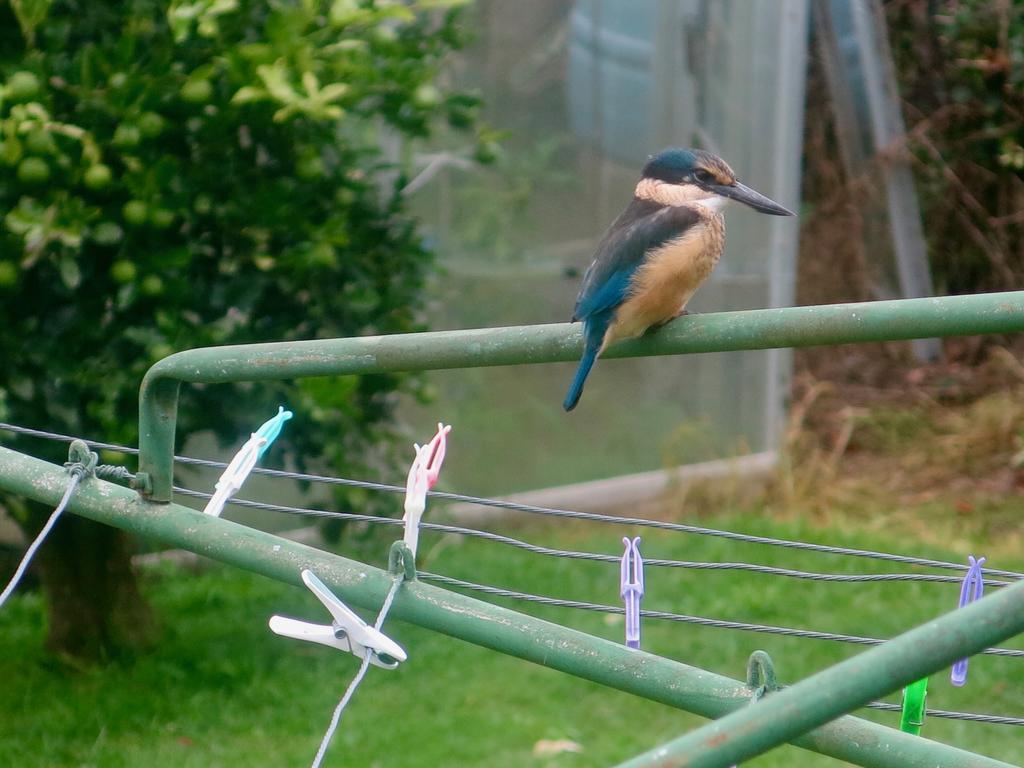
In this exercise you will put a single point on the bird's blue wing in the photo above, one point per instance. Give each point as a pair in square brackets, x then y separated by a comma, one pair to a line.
[642, 226]
[605, 292]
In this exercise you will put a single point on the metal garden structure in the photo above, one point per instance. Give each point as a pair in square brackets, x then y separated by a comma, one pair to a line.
[809, 714]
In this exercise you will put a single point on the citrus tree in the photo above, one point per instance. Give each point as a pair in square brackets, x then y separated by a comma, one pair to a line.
[204, 172]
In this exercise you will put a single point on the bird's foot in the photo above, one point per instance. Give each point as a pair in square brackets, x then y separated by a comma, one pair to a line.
[676, 316]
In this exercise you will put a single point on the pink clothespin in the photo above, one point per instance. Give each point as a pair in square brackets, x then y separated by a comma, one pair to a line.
[423, 474]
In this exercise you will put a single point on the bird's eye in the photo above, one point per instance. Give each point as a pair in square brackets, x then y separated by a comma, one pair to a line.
[702, 176]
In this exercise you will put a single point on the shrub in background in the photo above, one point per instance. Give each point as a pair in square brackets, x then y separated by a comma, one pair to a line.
[202, 173]
[961, 71]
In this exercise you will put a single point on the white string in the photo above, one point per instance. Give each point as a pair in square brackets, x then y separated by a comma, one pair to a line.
[336, 717]
[76, 478]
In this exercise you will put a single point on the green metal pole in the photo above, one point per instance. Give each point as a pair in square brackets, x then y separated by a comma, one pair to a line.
[720, 332]
[669, 682]
[780, 716]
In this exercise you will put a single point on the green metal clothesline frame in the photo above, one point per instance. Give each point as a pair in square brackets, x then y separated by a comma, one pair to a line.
[719, 332]
[804, 714]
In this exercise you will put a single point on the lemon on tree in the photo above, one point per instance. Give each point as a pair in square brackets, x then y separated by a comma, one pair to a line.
[22, 86]
[203, 204]
[107, 233]
[151, 124]
[161, 218]
[427, 96]
[40, 142]
[97, 176]
[123, 271]
[197, 91]
[152, 285]
[33, 170]
[135, 213]
[8, 274]
[127, 136]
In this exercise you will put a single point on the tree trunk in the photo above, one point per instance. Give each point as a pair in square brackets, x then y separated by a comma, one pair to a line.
[94, 606]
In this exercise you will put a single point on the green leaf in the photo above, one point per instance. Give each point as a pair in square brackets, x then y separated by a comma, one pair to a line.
[333, 92]
[37, 226]
[203, 14]
[345, 12]
[397, 13]
[275, 78]
[70, 274]
[30, 14]
[22, 387]
[26, 217]
[311, 83]
[249, 93]
[427, 5]
[10, 150]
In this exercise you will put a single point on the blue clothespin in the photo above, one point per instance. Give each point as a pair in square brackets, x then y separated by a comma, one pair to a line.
[631, 588]
[972, 589]
[272, 428]
[242, 464]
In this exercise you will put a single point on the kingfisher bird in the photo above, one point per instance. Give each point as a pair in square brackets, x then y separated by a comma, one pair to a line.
[658, 251]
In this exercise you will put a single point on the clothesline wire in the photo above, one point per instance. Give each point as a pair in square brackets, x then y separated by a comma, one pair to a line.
[811, 634]
[664, 615]
[686, 619]
[971, 716]
[593, 556]
[534, 509]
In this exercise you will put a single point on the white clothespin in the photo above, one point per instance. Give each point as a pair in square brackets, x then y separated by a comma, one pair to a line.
[242, 464]
[347, 632]
[423, 474]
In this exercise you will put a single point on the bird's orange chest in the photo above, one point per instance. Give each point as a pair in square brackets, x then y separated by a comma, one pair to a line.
[669, 276]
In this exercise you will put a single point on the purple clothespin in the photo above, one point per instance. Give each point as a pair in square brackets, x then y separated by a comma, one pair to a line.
[972, 589]
[631, 587]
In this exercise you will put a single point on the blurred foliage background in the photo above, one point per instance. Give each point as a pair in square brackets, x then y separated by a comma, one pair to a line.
[223, 171]
[960, 71]
[961, 67]
[179, 174]
[202, 173]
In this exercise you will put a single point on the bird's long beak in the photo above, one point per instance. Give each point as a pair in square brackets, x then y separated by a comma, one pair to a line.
[744, 194]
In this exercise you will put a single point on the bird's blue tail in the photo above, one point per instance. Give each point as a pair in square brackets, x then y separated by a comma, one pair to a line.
[576, 388]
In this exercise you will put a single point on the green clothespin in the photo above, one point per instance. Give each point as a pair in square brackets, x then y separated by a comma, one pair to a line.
[914, 696]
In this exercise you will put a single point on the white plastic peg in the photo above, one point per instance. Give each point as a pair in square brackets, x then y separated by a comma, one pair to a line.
[234, 476]
[347, 632]
[242, 464]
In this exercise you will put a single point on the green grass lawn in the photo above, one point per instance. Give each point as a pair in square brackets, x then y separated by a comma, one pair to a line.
[222, 690]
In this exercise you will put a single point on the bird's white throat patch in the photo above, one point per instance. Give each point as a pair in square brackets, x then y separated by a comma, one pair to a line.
[713, 202]
[664, 193]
